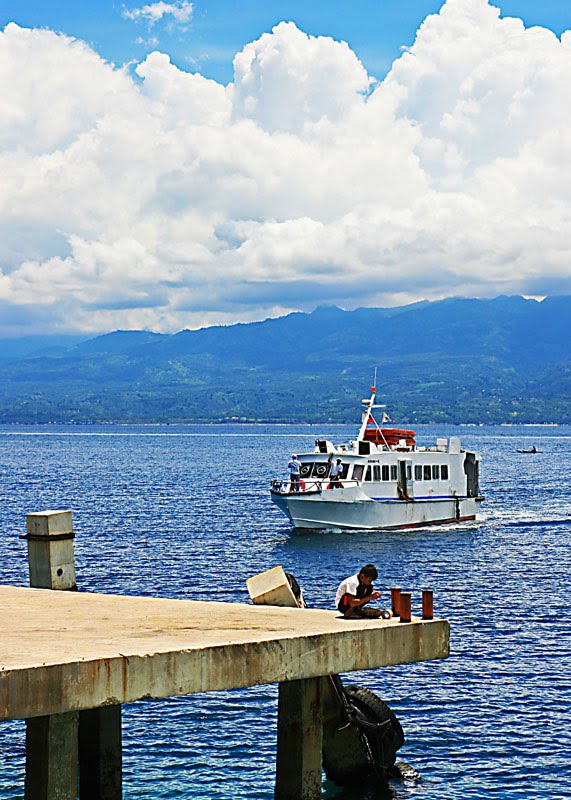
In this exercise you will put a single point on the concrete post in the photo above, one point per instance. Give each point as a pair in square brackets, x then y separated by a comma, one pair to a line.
[50, 550]
[51, 757]
[300, 734]
[100, 763]
[53, 744]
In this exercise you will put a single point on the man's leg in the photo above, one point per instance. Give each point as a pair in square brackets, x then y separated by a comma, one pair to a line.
[345, 609]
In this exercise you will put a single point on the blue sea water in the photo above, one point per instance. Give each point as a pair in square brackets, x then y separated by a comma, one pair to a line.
[184, 512]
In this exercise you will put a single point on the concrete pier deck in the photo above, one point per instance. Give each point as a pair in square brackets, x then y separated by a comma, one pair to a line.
[68, 651]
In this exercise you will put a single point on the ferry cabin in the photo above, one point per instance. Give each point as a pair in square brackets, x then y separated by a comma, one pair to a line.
[395, 472]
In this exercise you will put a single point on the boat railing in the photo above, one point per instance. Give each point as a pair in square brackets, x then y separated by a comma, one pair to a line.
[309, 487]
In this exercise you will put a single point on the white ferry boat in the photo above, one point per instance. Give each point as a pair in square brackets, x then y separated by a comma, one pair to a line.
[386, 481]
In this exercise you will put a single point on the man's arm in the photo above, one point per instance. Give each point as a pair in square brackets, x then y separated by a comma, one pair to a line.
[354, 601]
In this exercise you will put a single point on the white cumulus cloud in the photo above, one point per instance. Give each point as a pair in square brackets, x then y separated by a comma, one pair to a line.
[166, 200]
[180, 11]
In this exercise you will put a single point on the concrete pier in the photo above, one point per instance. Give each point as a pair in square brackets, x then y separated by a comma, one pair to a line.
[68, 651]
[68, 660]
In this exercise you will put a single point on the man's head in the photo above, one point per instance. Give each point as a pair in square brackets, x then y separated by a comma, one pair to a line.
[368, 574]
[338, 460]
[293, 455]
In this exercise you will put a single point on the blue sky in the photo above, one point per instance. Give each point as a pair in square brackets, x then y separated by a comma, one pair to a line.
[375, 29]
[173, 164]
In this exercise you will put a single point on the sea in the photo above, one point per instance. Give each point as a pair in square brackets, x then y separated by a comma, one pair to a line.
[184, 512]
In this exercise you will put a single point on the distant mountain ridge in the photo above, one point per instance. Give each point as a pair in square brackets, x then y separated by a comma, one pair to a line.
[501, 360]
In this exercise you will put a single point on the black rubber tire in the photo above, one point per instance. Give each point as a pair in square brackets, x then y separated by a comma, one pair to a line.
[345, 758]
[377, 711]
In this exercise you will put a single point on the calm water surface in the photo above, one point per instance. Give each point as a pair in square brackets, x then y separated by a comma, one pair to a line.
[184, 512]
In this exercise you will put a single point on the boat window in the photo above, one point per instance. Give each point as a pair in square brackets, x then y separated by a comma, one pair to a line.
[427, 472]
[320, 470]
[409, 472]
[385, 472]
[435, 472]
[417, 472]
[305, 470]
[368, 474]
[376, 473]
[344, 470]
[358, 470]
[444, 472]
[393, 472]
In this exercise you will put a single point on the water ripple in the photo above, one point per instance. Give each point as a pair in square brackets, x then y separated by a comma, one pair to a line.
[183, 512]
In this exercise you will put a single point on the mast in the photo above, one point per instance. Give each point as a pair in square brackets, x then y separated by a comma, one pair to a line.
[369, 405]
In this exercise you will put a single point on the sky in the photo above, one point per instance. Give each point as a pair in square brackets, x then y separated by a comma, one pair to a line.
[170, 165]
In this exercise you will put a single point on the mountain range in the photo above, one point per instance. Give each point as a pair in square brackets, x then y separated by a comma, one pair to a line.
[455, 360]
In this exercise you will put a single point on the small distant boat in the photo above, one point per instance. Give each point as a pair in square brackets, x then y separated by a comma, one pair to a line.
[387, 481]
[529, 450]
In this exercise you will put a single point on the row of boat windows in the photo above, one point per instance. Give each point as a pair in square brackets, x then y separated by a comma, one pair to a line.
[388, 472]
[434, 472]
[375, 472]
[378, 472]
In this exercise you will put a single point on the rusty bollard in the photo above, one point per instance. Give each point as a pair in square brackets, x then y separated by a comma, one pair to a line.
[405, 607]
[395, 601]
[427, 604]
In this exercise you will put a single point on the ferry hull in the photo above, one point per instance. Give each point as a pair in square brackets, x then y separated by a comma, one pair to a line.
[350, 513]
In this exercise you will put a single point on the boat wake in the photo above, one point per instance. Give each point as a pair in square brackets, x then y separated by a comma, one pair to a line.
[527, 519]
[538, 523]
[432, 528]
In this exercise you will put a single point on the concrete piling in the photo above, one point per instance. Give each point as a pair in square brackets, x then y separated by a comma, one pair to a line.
[100, 753]
[51, 757]
[51, 741]
[59, 745]
[300, 735]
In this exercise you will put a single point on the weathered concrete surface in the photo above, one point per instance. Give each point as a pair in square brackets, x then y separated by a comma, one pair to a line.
[66, 651]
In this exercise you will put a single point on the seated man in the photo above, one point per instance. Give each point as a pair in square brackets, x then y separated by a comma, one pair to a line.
[355, 592]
